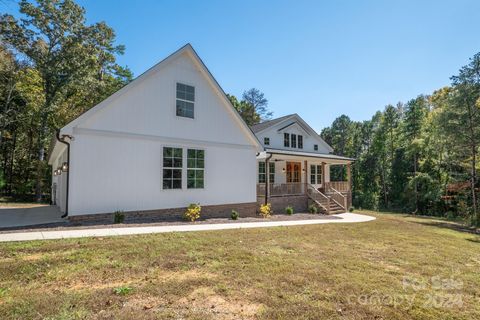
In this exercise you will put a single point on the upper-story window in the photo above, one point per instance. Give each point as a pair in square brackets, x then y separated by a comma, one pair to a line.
[286, 140]
[293, 140]
[266, 141]
[300, 141]
[185, 100]
[315, 147]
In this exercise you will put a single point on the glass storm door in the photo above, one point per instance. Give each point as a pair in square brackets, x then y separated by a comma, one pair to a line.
[293, 172]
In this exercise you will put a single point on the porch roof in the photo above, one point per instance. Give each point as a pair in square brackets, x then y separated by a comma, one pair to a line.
[333, 158]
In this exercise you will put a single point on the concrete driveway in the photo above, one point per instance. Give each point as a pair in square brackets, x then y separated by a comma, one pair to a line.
[29, 216]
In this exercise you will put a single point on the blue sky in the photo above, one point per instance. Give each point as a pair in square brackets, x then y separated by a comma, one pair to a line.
[319, 59]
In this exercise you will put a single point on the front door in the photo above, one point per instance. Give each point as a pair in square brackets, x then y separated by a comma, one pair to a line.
[293, 172]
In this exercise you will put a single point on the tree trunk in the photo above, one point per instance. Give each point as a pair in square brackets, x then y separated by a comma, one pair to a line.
[415, 181]
[12, 158]
[473, 183]
[41, 154]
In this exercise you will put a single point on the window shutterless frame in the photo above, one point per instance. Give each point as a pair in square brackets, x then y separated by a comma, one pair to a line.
[195, 169]
[172, 166]
[185, 100]
[286, 140]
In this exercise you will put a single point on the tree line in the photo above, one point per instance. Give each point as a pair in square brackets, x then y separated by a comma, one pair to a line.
[417, 157]
[53, 67]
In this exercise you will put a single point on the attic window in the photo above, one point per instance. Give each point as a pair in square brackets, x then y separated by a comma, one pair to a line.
[286, 140]
[300, 141]
[266, 141]
[185, 100]
[293, 140]
[315, 147]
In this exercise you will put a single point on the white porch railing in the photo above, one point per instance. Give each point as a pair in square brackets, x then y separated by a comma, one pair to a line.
[341, 186]
[281, 189]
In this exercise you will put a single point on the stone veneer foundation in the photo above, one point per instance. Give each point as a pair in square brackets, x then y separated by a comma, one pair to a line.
[299, 203]
[214, 211]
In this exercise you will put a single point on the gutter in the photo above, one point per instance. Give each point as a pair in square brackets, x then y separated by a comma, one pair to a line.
[61, 139]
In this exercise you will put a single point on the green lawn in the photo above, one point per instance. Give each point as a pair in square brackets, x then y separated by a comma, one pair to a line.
[374, 270]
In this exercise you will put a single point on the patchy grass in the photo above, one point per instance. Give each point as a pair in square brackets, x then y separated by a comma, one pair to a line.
[396, 267]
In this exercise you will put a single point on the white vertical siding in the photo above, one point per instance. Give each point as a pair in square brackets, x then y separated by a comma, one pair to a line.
[116, 173]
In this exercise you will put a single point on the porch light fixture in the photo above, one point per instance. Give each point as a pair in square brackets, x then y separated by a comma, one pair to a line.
[55, 173]
[283, 170]
[65, 167]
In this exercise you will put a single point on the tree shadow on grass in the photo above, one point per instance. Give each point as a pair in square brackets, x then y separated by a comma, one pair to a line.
[456, 226]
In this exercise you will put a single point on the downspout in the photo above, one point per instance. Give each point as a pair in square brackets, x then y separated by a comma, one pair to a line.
[267, 176]
[62, 140]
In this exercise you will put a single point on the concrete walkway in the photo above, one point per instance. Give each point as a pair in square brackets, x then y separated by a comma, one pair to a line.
[105, 232]
[29, 216]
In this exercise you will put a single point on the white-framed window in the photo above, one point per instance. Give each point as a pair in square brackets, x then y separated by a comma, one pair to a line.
[185, 100]
[266, 141]
[195, 169]
[262, 174]
[172, 168]
[293, 140]
[300, 141]
[315, 174]
[286, 140]
[315, 147]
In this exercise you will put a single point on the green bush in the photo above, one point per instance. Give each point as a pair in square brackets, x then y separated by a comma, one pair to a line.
[289, 210]
[118, 217]
[312, 208]
[122, 291]
[351, 209]
[234, 215]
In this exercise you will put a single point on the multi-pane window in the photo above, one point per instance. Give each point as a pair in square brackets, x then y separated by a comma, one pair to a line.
[315, 147]
[300, 141]
[293, 140]
[172, 168]
[262, 172]
[286, 140]
[266, 141]
[185, 100]
[195, 168]
[315, 174]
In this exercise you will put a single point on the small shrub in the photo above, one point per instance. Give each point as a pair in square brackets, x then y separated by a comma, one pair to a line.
[193, 212]
[266, 210]
[351, 209]
[118, 217]
[3, 292]
[289, 210]
[122, 291]
[312, 208]
[234, 215]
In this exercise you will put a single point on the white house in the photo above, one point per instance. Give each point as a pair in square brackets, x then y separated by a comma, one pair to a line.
[295, 165]
[169, 138]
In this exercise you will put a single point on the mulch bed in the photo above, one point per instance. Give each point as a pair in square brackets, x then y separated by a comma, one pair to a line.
[149, 223]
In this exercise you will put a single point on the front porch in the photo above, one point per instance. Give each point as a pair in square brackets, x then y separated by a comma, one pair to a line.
[303, 179]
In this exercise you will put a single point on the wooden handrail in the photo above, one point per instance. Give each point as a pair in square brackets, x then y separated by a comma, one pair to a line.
[314, 194]
[338, 196]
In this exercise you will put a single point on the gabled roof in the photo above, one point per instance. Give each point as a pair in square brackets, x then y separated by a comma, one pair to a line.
[289, 120]
[67, 129]
[267, 124]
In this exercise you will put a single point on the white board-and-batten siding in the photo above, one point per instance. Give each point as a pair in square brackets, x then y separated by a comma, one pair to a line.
[116, 153]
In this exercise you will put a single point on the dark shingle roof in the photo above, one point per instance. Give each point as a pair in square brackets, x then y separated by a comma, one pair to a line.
[263, 125]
